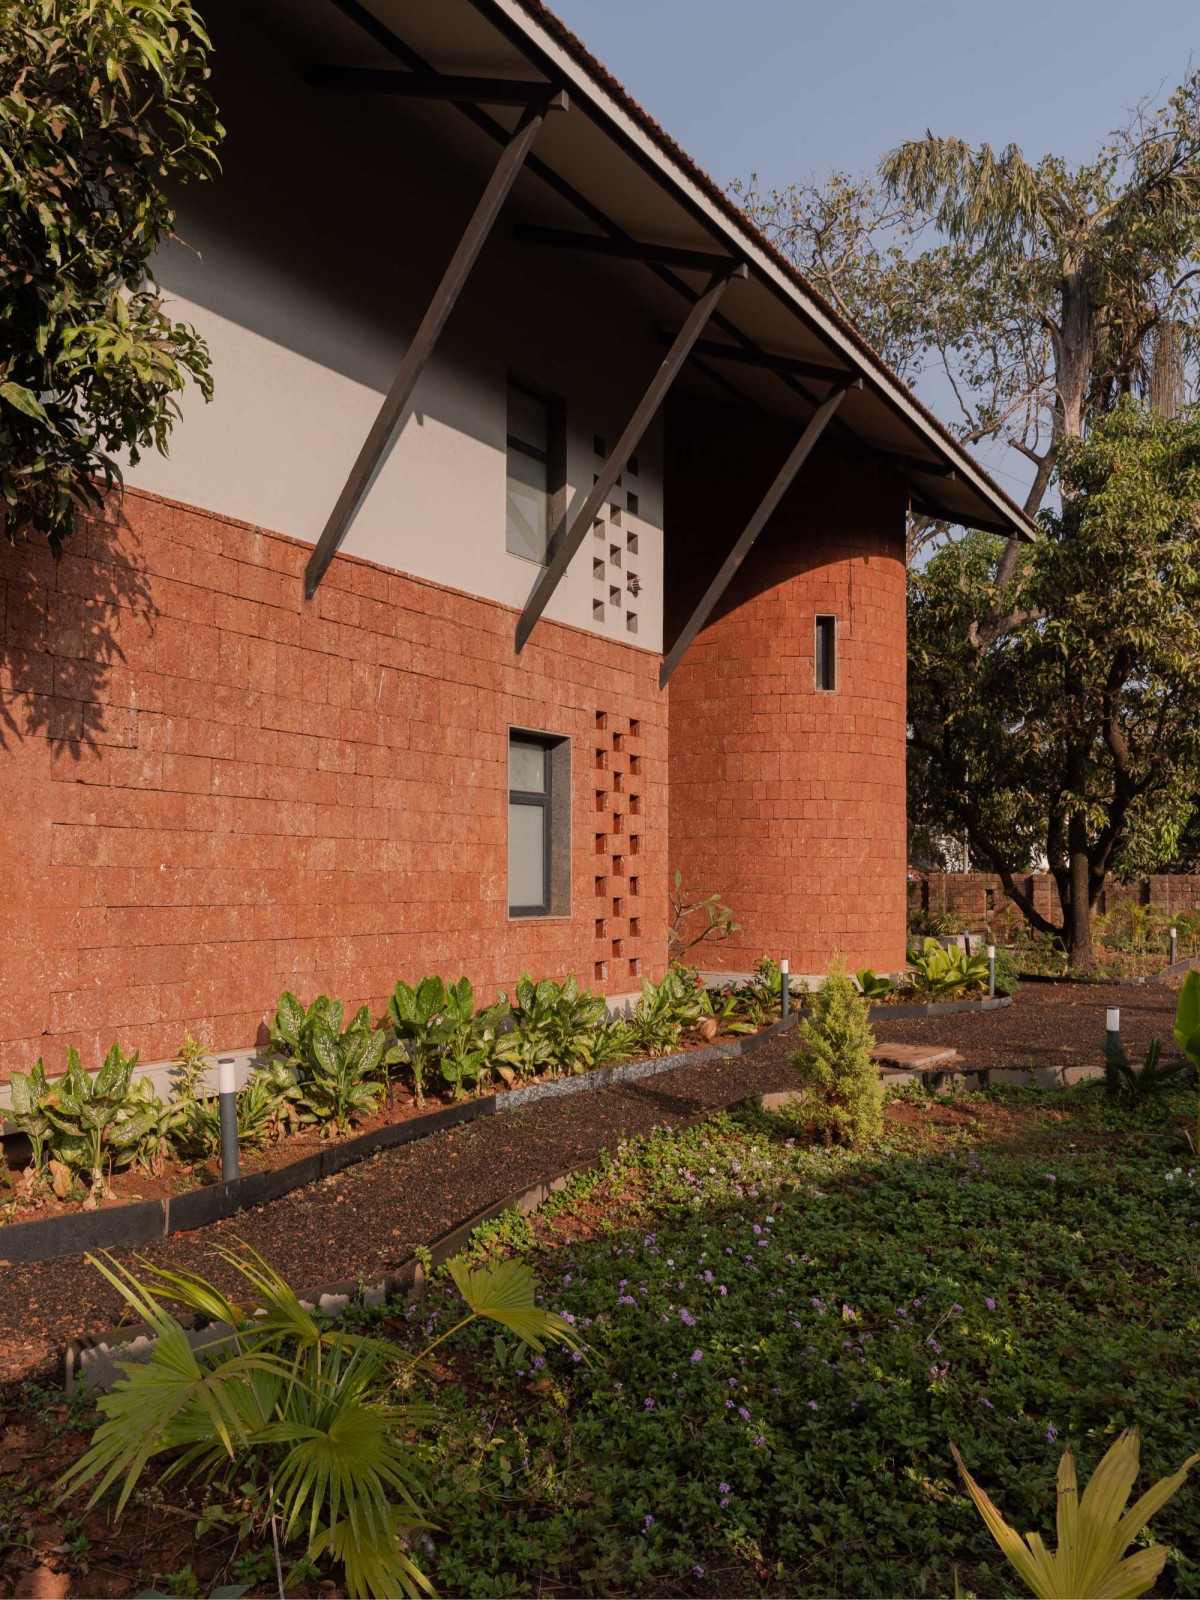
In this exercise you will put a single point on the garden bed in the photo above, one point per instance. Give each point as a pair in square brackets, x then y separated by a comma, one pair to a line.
[861, 1311]
[195, 1197]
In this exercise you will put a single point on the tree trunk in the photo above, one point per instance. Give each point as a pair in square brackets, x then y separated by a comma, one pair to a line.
[1077, 914]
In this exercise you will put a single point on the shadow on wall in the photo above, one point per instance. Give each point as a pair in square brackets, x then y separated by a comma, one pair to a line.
[65, 672]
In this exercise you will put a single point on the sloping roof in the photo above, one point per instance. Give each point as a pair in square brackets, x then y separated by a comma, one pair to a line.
[869, 362]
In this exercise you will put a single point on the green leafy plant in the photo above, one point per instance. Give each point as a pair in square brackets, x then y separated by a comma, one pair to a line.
[663, 1011]
[1139, 1083]
[1187, 1032]
[337, 1071]
[302, 1420]
[29, 1092]
[556, 1026]
[82, 1112]
[696, 917]
[874, 985]
[105, 103]
[1093, 1532]
[726, 1007]
[843, 1097]
[940, 973]
[190, 1074]
[140, 1131]
[340, 1084]
[431, 1018]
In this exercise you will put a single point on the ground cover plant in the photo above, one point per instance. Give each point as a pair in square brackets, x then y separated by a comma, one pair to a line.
[782, 1340]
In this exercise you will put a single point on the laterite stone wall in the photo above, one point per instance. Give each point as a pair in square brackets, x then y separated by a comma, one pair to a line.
[788, 802]
[212, 790]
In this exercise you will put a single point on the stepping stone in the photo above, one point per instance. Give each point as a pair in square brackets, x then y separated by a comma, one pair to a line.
[914, 1057]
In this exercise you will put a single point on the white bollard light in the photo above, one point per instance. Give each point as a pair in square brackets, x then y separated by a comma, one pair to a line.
[784, 987]
[227, 1102]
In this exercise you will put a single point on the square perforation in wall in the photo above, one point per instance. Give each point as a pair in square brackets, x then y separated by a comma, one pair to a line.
[635, 727]
[635, 927]
[601, 799]
[615, 516]
[618, 783]
[601, 760]
[635, 765]
[601, 928]
[631, 622]
[631, 501]
[618, 742]
[618, 866]
[618, 949]
[598, 568]
[635, 805]
[633, 886]
[631, 543]
[618, 906]
[597, 610]
[635, 844]
[614, 598]
[618, 822]
[601, 843]
[602, 722]
[601, 887]
[614, 555]
[635, 966]
[601, 970]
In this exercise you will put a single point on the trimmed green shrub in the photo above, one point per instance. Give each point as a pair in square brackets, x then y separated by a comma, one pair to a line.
[844, 1098]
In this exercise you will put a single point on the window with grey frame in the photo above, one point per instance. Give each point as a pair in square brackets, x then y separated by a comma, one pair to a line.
[539, 824]
[535, 493]
[825, 654]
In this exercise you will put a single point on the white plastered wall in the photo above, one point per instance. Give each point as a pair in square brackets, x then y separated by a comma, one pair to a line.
[307, 277]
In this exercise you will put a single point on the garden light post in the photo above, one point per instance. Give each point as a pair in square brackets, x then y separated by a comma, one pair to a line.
[1112, 1024]
[1174, 947]
[227, 1100]
[991, 953]
[784, 996]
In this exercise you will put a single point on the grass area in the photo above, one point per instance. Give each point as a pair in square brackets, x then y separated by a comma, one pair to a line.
[783, 1340]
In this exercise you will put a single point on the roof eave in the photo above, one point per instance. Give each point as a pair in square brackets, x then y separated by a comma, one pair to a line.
[635, 129]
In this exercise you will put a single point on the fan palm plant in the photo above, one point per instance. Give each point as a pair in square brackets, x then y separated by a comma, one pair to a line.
[1093, 1532]
[301, 1418]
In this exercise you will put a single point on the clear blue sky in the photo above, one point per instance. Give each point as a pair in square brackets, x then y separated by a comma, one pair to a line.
[788, 87]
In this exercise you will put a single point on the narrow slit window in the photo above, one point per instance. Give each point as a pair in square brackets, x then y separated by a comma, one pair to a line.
[536, 473]
[826, 653]
[538, 824]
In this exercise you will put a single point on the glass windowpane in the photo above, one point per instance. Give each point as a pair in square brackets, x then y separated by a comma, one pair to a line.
[526, 855]
[527, 766]
[527, 506]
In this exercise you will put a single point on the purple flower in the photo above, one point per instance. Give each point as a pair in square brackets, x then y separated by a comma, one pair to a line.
[647, 1522]
[697, 1571]
[697, 1355]
[758, 1439]
[686, 1317]
[744, 1414]
[723, 1488]
[988, 1403]
[721, 1289]
[733, 1383]
[813, 1406]
[1050, 1177]
[648, 1403]
[989, 1302]
[934, 1345]
[956, 1311]
[576, 1356]
[1051, 1434]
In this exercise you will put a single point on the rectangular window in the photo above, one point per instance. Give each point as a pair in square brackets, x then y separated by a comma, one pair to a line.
[539, 788]
[536, 477]
[826, 653]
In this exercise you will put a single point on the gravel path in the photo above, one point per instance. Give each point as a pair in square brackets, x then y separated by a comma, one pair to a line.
[369, 1218]
[1047, 1025]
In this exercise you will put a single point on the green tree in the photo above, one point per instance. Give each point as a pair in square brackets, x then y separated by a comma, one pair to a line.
[101, 103]
[1040, 291]
[1073, 729]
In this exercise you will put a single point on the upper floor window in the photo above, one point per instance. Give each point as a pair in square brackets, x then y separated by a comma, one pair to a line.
[826, 653]
[536, 471]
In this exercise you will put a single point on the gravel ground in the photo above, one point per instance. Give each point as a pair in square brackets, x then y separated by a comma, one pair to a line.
[1047, 1025]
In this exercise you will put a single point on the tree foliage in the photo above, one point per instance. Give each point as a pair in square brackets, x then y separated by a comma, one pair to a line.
[1075, 730]
[1041, 291]
[101, 103]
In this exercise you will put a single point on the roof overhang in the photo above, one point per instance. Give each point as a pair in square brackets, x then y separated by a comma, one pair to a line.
[607, 170]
